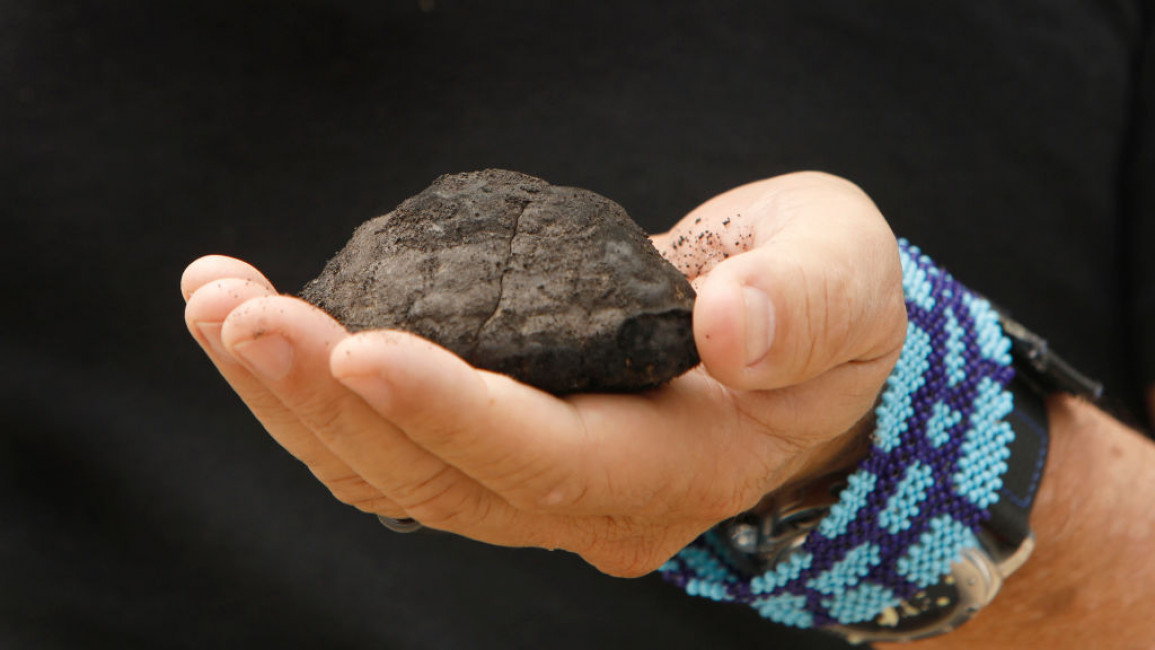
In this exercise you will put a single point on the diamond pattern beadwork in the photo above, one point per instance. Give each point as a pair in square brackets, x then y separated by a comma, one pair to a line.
[935, 467]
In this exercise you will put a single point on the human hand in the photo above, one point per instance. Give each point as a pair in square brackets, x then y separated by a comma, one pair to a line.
[799, 320]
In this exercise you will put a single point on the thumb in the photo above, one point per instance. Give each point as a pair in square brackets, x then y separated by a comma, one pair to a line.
[821, 286]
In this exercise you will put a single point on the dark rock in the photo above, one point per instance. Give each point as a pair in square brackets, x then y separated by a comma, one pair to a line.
[555, 286]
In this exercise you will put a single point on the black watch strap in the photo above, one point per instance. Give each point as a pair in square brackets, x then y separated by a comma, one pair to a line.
[1010, 515]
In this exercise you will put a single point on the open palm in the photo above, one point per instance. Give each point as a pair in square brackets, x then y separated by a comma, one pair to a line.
[799, 319]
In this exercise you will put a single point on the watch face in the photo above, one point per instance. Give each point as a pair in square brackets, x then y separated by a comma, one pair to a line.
[973, 582]
[770, 534]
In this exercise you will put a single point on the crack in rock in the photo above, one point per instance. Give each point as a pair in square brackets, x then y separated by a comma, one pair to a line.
[504, 272]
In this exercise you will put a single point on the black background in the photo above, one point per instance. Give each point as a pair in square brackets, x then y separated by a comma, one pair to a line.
[140, 504]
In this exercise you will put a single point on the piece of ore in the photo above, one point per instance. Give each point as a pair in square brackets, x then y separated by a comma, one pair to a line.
[554, 286]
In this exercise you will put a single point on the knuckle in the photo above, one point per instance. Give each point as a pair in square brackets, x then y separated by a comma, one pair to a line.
[427, 491]
[827, 182]
[355, 491]
[445, 500]
[452, 510]
[328, 413]
[543, 489]
[379, 506]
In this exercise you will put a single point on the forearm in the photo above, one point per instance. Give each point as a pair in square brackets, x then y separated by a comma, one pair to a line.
[1091, 579]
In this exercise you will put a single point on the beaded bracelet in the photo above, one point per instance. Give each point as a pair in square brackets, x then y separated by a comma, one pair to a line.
[935, 467]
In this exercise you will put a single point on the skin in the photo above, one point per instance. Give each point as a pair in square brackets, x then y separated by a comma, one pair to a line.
[799, 320]
[1090, 581]
[395, 425]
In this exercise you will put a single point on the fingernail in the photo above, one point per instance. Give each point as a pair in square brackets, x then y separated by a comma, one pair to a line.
[269, 355]
[211, 333]
[759, 324]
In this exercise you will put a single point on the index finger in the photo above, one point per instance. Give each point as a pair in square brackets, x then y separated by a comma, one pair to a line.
[586, 454]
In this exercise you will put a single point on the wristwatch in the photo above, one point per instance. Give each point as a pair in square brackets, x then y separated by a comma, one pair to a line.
[769, 535]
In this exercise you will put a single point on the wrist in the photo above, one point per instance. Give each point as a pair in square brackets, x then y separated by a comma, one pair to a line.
[1090, 576]
[913, 508]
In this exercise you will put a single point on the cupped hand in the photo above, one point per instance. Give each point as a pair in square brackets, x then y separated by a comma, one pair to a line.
[799, 319]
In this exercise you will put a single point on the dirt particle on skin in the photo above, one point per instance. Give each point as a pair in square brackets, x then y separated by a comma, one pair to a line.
[698, 248]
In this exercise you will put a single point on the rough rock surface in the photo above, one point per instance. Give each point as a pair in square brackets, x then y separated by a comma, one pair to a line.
[555, 286]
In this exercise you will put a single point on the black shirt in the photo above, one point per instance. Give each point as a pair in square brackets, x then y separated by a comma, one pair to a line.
[144, 507]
